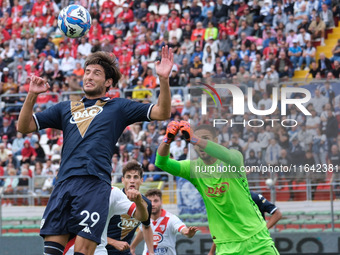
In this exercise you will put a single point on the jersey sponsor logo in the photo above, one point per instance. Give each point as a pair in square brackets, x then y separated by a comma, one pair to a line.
[83, 117]
[162, 250]
[128, 223]
[157, 238]
[217, 190]
[85, 114]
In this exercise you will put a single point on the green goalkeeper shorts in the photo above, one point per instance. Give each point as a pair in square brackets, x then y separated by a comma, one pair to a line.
[259, 244]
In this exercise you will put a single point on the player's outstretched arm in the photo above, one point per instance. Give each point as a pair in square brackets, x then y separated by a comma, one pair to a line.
[26, 123]
[141, 212]
[276, 216]
[161, 111]
[189, 232]
[148, 237]
[136, 241]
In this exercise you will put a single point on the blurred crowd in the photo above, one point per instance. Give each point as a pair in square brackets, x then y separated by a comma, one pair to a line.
[247, 43]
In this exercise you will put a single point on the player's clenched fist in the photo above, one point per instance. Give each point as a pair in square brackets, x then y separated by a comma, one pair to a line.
[134, 195]
[38, 85]
[171, 132]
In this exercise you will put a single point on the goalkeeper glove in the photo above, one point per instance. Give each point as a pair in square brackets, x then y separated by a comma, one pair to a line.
[187, 132]
[171, 132]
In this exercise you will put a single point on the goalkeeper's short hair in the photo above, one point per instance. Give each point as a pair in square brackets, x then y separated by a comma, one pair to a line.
[211, 129]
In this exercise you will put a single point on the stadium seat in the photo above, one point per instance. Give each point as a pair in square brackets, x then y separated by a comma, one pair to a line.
[163, 9]
[43, 139]
[153, 8]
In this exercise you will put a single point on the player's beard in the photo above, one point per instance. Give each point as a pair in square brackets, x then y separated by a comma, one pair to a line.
[96, 92]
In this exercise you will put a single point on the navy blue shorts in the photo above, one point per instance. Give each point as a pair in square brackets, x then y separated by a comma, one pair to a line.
[78, 205]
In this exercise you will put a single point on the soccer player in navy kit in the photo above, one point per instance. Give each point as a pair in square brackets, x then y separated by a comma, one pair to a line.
[122, 227]
[79, 203]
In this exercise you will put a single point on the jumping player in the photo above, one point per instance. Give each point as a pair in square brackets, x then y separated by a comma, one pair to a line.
[91, 127]
[165, 226]
[119, 204]
[235, 222]
[122, 227]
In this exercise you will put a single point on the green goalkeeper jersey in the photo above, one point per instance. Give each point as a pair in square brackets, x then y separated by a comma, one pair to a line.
[232, 214]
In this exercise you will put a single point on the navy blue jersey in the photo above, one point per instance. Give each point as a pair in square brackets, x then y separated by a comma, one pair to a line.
[91, 129]
[123, 228]
[263, 204]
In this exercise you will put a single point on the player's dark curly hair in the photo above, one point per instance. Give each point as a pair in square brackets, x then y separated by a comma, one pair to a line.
[154, 192]
[109, 63]
[211, 129]
[133, 166]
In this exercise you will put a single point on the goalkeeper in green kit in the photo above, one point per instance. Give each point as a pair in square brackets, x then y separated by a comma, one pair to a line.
[235, 222]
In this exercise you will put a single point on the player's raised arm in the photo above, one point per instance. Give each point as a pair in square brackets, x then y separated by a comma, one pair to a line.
[161, 110]
[141, 212]
[26, 123]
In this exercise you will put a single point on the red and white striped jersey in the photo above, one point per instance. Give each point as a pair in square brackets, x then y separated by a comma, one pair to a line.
[164, 230]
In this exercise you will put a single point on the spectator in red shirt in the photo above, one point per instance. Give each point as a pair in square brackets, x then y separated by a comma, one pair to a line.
[125, 57]
[126, 15]
[106, 18]
[108, 3]
[174, 19]
[117, 48]
[199, 30]
[16, 9]
[95, 30]
[38, 7]
[143, 46]
[28, 153]
[6, 21]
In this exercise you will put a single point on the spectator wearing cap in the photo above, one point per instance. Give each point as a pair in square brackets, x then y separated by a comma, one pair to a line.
[68, 63]
[20, 75]
[126, 15]
[174, 19]
[107, 18]
[295, 53]
[327, 16]
[5, 75]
